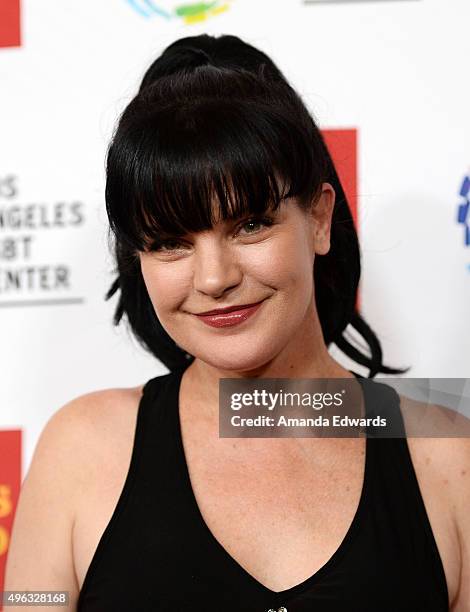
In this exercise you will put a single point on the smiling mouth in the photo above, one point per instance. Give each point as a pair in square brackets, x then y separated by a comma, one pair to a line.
[228, 309]
[231, 318]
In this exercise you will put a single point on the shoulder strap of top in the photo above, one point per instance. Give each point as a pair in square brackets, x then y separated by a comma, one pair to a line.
[381, 400]
[145, 415]
[395, 469]
[153, 386]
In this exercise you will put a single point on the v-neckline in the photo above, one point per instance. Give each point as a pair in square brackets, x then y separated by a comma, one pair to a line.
[353, 528]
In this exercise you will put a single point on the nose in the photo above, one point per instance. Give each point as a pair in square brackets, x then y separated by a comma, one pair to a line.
[216, 267]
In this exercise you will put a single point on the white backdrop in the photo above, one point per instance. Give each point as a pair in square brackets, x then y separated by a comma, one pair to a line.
[395, 71]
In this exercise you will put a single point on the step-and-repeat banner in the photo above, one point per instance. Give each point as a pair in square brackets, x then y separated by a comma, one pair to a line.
[387, 81]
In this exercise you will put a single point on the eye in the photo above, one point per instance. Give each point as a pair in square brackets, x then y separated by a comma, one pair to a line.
[171, 245]
[256, 221]
[167, 245]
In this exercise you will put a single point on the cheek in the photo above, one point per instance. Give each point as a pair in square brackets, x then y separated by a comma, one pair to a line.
[284, 264]
[166, 285]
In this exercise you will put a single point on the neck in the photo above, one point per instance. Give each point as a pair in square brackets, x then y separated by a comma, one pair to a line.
[306, 356]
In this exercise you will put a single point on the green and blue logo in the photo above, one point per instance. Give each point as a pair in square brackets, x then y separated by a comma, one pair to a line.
[188, 12]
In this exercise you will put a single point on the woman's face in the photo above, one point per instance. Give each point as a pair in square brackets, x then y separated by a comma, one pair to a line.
[236, 263]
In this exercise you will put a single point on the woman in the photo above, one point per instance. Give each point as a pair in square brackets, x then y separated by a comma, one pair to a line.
[221, 194]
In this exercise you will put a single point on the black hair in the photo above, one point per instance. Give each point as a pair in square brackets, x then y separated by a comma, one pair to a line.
[214, 116]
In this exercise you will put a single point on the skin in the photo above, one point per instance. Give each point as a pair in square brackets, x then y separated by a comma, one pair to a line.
[227, 266]
[76, 475]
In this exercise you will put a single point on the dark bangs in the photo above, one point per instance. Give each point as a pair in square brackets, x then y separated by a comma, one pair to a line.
[210, 135]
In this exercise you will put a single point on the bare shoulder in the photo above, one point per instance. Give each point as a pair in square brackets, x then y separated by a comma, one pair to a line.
[100, 426]
[74, 440]
[439, 443]
[99, 415]
[95, 405]
[440, 439]
[92, 436]
[76, 434]
[433, 420]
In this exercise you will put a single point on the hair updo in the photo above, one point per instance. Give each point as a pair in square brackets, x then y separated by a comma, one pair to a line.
[214, 116]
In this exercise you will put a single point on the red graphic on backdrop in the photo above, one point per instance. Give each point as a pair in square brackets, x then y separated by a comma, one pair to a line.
[10, 31]
[10, 481]
[342, 145]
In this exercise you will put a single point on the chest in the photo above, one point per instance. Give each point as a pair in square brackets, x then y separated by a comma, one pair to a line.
[276, 509]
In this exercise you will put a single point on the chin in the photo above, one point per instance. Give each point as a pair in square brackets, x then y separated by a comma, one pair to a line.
[237, 361]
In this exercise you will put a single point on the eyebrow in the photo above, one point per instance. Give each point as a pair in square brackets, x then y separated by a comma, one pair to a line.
[160, 235]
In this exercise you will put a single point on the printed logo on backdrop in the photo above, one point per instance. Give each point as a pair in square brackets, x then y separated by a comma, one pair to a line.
[10, 481]
[463, 210]
[10, 32]
[187, 12]
[33, 271]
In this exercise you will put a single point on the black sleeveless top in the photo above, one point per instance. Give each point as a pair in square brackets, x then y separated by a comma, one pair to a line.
[157, 553]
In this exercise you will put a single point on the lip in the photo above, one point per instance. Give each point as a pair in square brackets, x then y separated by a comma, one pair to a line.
[229, 318]
[237, 307]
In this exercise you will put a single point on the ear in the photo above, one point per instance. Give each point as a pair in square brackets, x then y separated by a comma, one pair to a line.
[322, 213]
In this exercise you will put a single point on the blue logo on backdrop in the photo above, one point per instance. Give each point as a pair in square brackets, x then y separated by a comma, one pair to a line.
[147, 8]
[463, 211]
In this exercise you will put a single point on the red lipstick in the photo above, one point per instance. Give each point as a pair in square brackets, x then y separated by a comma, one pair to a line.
[229, 319]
